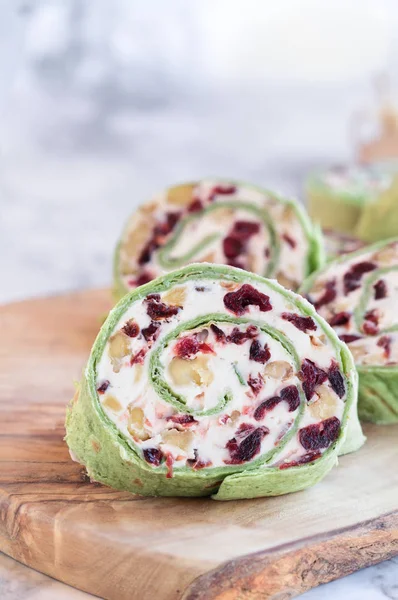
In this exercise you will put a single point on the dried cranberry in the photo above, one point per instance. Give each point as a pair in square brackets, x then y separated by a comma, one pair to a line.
[247, 295]
[291, 395]
[239, 337]
[153, 456]
[218, 333]
[187, 420]
[131, 328]
[289, 240]
[353, 277]
[328, 296]
[371, 322]
[320, 435]
[195, 206]
[139, 357]
[306, 458]
[259, 354]
[168, 225]
[222, 190]
[248, 447]
[336, 379]
[266, 406]
[232, 247]
[103, 387]
[255, 383]
[245, 229]
[142, 279]
[302, 323]
[341, 318]
[187, 347]
[151, 332]
[380, 288]
[347, 338]
[385, 343]
[158, 310]
[311, 376]
[147, 251]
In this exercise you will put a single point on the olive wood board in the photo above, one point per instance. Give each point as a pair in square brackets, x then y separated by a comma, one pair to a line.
[120, 546]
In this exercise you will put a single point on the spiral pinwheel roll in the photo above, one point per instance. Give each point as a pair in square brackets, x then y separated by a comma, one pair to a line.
[211, 380]
[222, 222]
[358, 294]
[337, 197]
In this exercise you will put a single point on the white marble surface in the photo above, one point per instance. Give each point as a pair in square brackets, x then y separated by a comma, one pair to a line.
[103, 103]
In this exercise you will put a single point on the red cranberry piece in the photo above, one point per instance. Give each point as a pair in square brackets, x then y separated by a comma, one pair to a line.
[239, 337]
[347, 338]
[103, 387]
[138, 358]
[380, 288]
[306, 458]
[311, 376]
[131, 328]
[302, 323]
[151, 332]
[245, 229]
[259, 354]
[218, 333]
[222, 190]
[289, 240]
[147, 251]
[255, 383]
[237, 302]
[187, 347]
[248, 447]
[341, 318]
[320, 435]
[186, 420]
[232, 247]
[353, 277]
[385, 343]
[266, 406]
[195, 206]
[371, 322]
[142, 279]
[328, 296]
[291, 395]
[158, 310]
[336, 379]
[153, 456]
[168, 225]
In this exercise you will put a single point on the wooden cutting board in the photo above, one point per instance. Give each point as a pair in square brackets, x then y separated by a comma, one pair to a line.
[123, 547]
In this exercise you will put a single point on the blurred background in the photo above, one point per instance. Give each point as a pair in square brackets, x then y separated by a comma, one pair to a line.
[104, 102]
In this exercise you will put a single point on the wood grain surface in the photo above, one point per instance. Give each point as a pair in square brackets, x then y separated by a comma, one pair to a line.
[123, 547]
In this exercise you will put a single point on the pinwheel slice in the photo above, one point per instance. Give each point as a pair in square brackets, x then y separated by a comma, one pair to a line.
[211, 380]
[222, 222]
[336, 197]
[358, 295]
